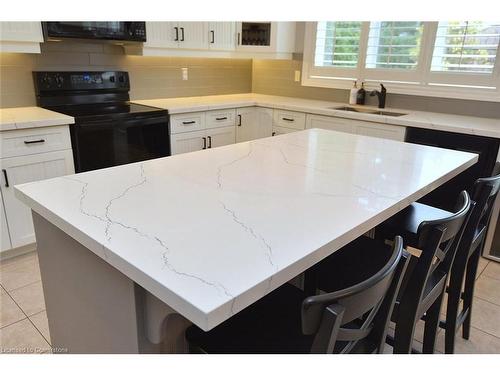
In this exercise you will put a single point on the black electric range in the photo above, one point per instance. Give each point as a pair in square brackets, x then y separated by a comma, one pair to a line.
[108, 129]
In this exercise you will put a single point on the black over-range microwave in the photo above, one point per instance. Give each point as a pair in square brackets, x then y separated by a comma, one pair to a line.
[105, 30]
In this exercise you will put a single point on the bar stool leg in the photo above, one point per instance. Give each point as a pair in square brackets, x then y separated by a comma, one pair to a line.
[470, 280]
[431, 326]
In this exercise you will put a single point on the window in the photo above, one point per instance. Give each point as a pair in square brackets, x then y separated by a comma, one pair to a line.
[337, 44]
[467, 47]
[458, 59]
[394, 45]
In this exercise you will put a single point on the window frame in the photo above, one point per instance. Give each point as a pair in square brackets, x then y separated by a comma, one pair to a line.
[420, 81]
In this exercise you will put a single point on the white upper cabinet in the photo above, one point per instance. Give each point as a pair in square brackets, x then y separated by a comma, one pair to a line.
[218, 39]
[188, 35]
[222, 36]
[162, 35]
[22, 37]
[193, 35]
[266, 37]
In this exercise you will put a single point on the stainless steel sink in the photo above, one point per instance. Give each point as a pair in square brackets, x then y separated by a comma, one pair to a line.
[369, 111]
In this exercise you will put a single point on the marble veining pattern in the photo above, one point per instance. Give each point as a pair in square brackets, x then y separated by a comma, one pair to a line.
[210, 232]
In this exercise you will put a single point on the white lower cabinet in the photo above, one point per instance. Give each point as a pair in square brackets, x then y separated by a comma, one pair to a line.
[201, 140]
[221, 136]
[5, 241]
[330, 123]
[278, 130]
[188, 142]
[23, 169]
[253, 123]
[371, 129]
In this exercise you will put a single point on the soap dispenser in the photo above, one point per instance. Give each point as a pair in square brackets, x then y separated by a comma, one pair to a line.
[361, 94]
[353, 94]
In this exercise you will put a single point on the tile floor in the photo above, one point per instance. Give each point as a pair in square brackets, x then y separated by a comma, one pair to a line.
[24, 327]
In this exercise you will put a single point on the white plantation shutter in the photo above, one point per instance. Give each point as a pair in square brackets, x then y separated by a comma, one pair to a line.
[337, 44]
[465, 55]
[394, 45]
[459, 59]
[468, 47]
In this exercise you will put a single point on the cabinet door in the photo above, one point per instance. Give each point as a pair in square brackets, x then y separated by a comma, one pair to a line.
[22, 169]
[330, 123]
[278, 130]
[193, 35]
[5, 231]
[187, 142]
[246, 124]
[222, 36]
[378, 130]
[265, 122]
[162, 35]
[21, 32]
[221, 136]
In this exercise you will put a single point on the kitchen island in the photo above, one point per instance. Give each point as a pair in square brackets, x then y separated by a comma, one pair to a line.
[130, 255]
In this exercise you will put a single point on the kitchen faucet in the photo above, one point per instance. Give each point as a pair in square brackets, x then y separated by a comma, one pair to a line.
[381, 95]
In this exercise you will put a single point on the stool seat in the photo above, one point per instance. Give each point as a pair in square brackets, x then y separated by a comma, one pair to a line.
[406, 222]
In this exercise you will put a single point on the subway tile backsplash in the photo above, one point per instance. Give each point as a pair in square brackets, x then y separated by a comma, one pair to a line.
[150, 77]
[160, 77]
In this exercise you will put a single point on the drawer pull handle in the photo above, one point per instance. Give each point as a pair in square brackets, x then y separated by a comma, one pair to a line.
[188, 122]
[6, 178]
[204, 143]
[221, 118]
[273, 134]
[239, 122]
[209, 142]
[37, 141]
[288, 119]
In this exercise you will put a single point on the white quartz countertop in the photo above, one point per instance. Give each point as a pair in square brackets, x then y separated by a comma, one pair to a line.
[31, 117]
[488, 127]
[211, 232]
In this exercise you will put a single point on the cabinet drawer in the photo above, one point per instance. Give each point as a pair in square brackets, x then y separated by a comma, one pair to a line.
[331, 123]
[218, 119]
[378, 130]
[278, 130]
[187, 122]
[289, 119]
[34, 141]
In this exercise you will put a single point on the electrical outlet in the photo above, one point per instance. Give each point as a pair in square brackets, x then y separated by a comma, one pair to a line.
[297, 76]
[184, 74]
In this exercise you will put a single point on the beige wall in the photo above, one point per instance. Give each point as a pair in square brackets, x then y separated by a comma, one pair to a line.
[276, 77]
[151, 77]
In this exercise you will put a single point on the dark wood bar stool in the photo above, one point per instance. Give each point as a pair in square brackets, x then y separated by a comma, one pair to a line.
[352, 320]
[468, 253]
[424, 282]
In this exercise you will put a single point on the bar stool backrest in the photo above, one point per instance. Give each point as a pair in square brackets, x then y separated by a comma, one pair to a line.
[369, 303]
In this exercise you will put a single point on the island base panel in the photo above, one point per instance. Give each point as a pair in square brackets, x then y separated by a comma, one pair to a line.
[94, 308]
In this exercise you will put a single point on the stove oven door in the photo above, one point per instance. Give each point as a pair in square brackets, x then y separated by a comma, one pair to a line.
[110, 142]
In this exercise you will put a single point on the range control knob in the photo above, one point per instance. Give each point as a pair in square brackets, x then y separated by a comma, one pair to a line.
[112, 79]
[47, 80]
[121, 79]
[59, 80]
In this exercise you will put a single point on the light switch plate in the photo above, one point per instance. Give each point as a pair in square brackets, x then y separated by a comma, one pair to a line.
[297, 76]
[184, 74]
